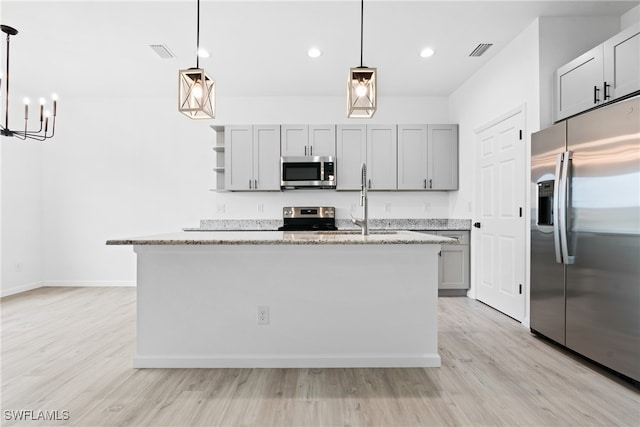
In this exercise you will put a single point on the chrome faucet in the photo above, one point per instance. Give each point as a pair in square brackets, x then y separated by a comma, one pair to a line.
[364, 202]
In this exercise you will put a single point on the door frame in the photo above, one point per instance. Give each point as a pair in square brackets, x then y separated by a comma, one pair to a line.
[475, 243]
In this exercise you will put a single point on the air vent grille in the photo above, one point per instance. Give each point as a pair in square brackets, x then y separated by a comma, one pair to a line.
[482, 48]
[162, 51]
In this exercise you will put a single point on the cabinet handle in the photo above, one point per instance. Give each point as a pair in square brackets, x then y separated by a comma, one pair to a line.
[305, 150]
[606, 92]
[369, 183]
[431, 183]
[596, 91]
[249, 184]
[311, 150]
[425, 183]
[440, 253]
[255, 185]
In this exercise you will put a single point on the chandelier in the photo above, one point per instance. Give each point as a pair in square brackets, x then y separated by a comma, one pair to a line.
[361, 87]
[43, 132]
[196, 91]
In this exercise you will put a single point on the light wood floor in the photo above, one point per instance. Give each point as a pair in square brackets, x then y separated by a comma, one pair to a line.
[71, 349]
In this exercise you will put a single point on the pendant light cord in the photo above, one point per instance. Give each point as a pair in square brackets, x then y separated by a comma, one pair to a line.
[198, 38]
[361, 30]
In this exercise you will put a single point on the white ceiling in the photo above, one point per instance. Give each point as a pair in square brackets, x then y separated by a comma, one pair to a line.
[101, 48]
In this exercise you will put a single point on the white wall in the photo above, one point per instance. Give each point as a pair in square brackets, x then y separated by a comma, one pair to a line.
[630, 18]
[21, 222]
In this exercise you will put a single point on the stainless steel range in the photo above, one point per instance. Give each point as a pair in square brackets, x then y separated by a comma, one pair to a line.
[308, 218]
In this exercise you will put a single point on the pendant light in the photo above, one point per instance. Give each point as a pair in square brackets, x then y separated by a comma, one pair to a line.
[196, 91]
[43, 132]
[361, 87]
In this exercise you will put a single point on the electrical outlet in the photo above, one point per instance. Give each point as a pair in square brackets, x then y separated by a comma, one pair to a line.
[18, 267]
[263, 315]
[220, 208]
[260, 208]
[469, 207]
[387, 207]
[427, 207]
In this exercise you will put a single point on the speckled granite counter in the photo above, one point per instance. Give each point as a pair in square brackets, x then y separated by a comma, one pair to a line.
[342, 224]
[398, 237]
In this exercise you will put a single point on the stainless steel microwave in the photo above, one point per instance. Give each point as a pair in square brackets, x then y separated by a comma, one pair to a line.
[308, 172]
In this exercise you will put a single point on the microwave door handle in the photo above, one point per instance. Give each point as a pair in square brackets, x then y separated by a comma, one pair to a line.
[556, 208]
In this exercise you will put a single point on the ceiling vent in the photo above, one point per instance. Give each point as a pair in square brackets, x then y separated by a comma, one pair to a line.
[482, 48]
[162, 51]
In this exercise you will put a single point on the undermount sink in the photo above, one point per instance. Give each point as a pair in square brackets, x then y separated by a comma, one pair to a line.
[338, 232]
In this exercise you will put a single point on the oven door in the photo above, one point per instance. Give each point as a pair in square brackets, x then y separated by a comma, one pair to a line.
[301, 172]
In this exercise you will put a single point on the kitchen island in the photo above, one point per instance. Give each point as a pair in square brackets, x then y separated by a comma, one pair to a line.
[280, 299]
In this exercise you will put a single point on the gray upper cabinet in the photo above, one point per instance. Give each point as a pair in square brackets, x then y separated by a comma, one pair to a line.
[351, 153]
[622, 62]
[607, 72]
[428, 157]
[412, 157]
[382, 149]
[374, 145]
[578, 84]
[308, 140]
[252, 155]
[443, 157]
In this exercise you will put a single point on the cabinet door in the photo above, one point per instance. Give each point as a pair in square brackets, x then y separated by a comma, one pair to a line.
[322, 140]
[579, 84]
[382, 151]
[622, 63]
[266, 157]
[453, 270]
[351, 153]
[295, 140]
[238, 141]
[443, 157]
[412, 157]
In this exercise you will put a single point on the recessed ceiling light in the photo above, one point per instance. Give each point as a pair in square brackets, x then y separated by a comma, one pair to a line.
[427, 52]
[202, 53]
[314, 52]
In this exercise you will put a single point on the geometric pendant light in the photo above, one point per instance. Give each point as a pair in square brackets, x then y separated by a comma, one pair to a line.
[361, 85]
[196, 91]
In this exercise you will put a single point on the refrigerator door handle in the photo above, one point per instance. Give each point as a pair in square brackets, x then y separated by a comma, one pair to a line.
[564, 190]
[556, 208]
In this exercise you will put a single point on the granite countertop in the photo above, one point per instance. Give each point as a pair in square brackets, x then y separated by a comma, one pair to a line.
[399, 237]
[342, 224]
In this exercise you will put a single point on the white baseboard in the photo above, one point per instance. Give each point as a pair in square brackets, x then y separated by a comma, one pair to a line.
[90, 283]
[290, 361]
[21, 288]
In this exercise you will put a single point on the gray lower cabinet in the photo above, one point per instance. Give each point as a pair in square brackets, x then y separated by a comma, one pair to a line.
[453, 267]
[453, 263]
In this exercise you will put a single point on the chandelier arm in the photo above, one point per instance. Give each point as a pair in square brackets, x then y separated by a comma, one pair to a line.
[6, 89]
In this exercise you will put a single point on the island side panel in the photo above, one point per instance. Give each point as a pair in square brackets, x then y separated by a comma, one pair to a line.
[329, 306]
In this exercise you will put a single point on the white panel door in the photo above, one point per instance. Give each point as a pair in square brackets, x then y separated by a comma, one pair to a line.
[238, 141]
[351, 153]
[322, 140]
[622, 63]
[382, 149]
[295, 140]
[412, 157]
[501, 190]
[266, 143]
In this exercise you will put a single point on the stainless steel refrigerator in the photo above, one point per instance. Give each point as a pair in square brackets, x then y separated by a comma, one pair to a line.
[585, 235]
